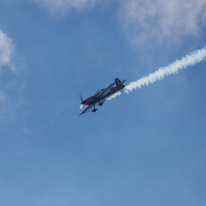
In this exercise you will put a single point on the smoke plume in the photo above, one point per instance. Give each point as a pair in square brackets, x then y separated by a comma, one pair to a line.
[187, 61]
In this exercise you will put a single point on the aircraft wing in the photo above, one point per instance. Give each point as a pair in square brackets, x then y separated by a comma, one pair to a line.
[105, 90]
[85, 110]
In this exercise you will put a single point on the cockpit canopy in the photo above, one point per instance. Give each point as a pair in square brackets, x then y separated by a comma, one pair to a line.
[99, 91]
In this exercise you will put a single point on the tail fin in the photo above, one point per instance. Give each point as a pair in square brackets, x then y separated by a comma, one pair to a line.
[117, 81]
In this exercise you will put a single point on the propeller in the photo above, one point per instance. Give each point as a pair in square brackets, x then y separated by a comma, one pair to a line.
[81, 106]
[81, 98]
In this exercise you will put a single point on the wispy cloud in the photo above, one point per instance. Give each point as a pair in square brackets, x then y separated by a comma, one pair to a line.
[161, 20]
[9, 80]
[60, 7]
[143, 20]
[6, 51]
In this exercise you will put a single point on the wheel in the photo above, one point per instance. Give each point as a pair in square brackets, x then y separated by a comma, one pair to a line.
[100, 103]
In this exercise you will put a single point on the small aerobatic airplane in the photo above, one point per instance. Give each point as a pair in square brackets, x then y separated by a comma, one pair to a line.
[101, 96]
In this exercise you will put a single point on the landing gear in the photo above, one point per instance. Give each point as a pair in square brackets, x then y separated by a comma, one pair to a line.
[100, 103]
[94, 110]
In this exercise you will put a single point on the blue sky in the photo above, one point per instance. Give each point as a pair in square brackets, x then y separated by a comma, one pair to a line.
[142, 148]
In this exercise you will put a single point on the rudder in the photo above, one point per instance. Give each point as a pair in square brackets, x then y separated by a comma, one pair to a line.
[117, 81]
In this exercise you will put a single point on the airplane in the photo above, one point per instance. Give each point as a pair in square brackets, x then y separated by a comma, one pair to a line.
[101, 96]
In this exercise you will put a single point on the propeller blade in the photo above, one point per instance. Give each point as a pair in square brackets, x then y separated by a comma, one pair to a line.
[81, 98]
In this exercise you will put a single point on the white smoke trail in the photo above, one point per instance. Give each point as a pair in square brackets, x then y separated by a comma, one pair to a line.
[189, 60]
